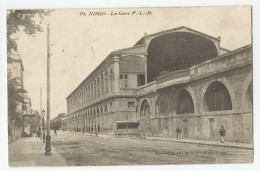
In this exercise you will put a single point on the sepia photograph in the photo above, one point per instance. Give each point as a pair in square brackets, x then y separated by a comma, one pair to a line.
[130, 86]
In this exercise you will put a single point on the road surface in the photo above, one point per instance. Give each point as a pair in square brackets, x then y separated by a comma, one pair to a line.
[82, 149]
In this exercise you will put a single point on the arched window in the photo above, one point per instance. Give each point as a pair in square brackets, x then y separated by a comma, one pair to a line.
[185, 103]
[80, 99]
[162, 107]
[77, 100]
[83, 96]
[95, 89]
[88, 97]
[86, 94]
[101, 109]
[97, 111]
[92, 91]
[106, 82]
[106, 110]
[145, 109]
[98, 87]
[217, 97]
[111, 79]
[102, 84]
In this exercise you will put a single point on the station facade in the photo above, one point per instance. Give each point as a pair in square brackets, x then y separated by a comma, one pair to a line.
[175, 78]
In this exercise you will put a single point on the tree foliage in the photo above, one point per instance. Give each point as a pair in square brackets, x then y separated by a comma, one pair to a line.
[15, 97]
[28, 21]
[23, 19]
[34, 122]
[55, 123]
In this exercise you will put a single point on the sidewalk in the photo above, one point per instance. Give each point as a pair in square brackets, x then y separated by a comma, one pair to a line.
[30, 151]
[203, 142]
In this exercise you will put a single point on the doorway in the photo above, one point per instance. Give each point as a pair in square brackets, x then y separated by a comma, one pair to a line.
[211, 128]
[185, 129]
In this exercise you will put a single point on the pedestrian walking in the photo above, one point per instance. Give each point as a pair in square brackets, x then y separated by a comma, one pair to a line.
[178, 132]
[38, 133]
[222, 133]
[55, 132]
[141, 132]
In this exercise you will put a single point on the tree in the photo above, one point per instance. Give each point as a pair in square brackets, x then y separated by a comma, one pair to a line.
[15, 97]
[23, 19]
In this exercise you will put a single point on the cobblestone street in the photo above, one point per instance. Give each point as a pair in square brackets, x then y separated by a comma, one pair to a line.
[84, 149]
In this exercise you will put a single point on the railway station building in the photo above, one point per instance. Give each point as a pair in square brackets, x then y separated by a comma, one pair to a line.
[174, 78]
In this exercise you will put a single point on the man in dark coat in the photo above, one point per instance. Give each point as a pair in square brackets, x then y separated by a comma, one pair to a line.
[178, 132]
[222, 133]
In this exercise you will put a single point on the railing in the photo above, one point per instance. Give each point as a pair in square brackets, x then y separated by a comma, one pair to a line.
[185, 73]
[147, 88]
[239, 57]
[176, 77]
[172, 69]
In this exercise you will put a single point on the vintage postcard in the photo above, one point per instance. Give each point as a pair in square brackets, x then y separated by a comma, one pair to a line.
[130, 86]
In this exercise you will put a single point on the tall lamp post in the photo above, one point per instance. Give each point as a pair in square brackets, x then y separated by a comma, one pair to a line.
[48, 137]
[43, 135]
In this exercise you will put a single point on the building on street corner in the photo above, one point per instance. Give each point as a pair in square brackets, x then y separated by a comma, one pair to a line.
[18, 127]
[174, 78]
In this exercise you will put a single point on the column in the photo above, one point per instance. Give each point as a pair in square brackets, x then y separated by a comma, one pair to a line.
[116, 73]
[145, 67]
[85, 130]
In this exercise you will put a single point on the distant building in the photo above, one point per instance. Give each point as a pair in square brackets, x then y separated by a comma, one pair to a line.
[56, 123]
[174, 78]
[64, 123]
[27, 105]
[15, 70]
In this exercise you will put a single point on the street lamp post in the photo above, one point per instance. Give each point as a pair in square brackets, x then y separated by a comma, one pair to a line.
[48, 137]
[43, 135]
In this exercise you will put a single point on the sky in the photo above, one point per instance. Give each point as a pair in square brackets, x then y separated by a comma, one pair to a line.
[80, 43]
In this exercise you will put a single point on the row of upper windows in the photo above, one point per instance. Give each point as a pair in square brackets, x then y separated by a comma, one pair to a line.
[98, 87]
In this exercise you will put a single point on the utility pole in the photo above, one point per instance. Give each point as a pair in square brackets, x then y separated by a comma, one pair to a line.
[48, 137]
[41, 113]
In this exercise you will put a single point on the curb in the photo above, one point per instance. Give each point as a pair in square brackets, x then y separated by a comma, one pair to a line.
[203, 143]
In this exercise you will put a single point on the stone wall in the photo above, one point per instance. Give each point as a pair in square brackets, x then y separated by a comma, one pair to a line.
[203, 124]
